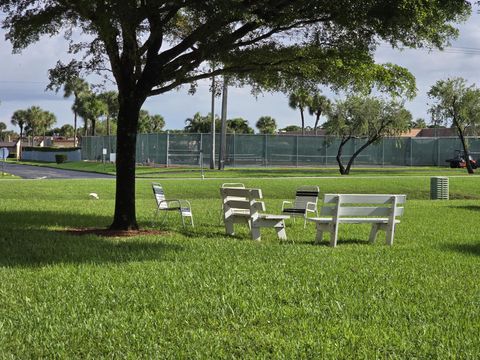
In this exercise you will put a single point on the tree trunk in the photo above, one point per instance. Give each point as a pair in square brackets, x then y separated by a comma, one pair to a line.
[125, 214]
[223, 136]
[303, 121]
[341, 168]
[356, 153]
[93, 126]
[212, 150]
[317, 119]
[465, 150]
[74, 129]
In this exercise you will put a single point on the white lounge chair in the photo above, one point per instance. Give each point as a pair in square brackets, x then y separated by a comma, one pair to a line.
[167, 205]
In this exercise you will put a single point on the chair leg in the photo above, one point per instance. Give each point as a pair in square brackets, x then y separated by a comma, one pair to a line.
[164, 218]
[255, 233]
[229, 228]
[183, 219]
[281, 233]
[154, 217]
[319, 237]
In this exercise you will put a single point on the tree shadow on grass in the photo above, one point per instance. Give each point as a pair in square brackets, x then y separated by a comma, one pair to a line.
[339, 242]
[468, 249]
[27, 241]
[468, 207]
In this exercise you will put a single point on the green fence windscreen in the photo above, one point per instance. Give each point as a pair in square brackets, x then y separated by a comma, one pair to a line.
[281, 150]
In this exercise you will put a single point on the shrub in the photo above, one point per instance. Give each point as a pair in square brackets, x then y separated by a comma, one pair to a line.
[60, 158]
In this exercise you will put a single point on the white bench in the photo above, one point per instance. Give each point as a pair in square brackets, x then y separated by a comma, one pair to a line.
[379, 210]
[241, 206]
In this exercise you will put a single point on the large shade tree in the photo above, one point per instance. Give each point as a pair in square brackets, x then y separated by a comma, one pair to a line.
[457, 104]
[154, 46]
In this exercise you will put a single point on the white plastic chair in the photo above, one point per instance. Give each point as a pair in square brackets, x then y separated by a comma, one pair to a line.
[234, 186]
[306, 198]
[163, 204]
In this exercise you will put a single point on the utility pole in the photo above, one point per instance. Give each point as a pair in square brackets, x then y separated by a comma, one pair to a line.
[212, 153]
[223, 136]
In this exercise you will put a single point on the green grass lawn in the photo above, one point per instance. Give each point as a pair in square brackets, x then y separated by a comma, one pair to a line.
[196, 293]
[265, 172]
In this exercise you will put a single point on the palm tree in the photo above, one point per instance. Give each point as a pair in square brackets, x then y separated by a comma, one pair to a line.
[318, 106]
[3, 127]
[111, 99]
[300, 99]
[200, 124]
[90, 107]
[48, 119]
[239, 126]
[266, 125]
[75, 86]
[19, 118]
[34, 115]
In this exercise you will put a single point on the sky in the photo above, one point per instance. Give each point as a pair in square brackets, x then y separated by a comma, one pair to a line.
[23, 79]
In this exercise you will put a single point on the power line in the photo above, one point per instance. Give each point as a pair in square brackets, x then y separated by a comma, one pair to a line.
[21, 82]
[448, 50]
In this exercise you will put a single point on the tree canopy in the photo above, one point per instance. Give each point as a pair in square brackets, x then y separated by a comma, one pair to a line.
[366, 118]
[300, 99]
[153, 46]
[149, 124]
[266, 125]
[458, 105]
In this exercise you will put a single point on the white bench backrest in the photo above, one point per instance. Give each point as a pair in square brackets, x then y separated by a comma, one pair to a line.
[360, 205]
[235, 199]
[250, 194]
[304, 195]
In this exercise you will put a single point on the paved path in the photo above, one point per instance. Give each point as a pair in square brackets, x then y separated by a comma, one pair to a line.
[40, 172]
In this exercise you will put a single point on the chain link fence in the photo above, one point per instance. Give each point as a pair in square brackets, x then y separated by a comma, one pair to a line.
[280, 150]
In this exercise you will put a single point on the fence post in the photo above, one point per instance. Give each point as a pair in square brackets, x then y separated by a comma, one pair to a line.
[383, 152]
[265, 150]
[200, 159]
[167, 160]
[325, 142]
[438, 151]
[233, 155]
[296, 150]
[411, 151]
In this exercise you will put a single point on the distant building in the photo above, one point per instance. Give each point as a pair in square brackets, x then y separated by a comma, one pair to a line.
[426, 132]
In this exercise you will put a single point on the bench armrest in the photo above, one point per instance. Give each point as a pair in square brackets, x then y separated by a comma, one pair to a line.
[181, 203]
[285, 202]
